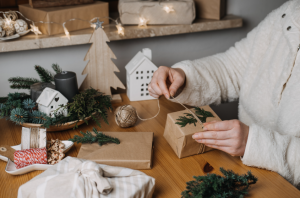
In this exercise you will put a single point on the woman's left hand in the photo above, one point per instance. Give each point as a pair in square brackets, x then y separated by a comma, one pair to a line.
[229, 136]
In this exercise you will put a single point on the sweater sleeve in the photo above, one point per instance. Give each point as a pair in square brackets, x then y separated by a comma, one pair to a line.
[218, 78]
[273, 151]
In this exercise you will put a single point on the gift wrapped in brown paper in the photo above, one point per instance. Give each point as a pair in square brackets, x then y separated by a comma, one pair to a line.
[210, 9]
[53, 3]
[134, 150]
[155, 12]
[63, 14]
[180, 138]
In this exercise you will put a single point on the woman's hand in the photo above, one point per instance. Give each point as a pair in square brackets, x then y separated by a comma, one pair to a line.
[166, 77]
[229, 136]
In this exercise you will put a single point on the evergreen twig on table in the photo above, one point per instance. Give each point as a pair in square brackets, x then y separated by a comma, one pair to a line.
[56, 68]
[232, 185]
[190, 119]
[44, 74]
[99, 137]
[21, 82]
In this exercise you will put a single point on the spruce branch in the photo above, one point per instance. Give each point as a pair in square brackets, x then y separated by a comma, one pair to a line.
[190, 119]
[19, 115]
[28, 103]
[21, 82]
[56, 68]
[37, 117]
[88, 137]
[231, 185]
[44, 74]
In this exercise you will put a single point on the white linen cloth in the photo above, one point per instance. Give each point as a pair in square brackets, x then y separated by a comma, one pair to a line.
[73, 177]
[256, 71]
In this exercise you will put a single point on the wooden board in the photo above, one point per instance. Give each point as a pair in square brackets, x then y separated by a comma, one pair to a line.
[170, 173]
[100, 68]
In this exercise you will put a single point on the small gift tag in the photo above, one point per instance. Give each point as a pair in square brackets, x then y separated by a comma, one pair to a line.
[7, 151]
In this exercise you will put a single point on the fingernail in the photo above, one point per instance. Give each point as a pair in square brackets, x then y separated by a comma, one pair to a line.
[204, 128]
[172, 93]
[167, 96]
[194, 136]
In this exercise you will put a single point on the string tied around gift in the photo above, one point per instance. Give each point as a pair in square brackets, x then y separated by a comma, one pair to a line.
[202, 146]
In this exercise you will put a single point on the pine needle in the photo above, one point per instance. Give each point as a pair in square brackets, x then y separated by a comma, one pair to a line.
[190, 119]
[88, 137]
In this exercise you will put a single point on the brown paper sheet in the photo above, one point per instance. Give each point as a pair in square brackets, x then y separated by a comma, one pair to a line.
[212, 9]
[180, 138]
[134, 150]
[7, 151]
[63, 14]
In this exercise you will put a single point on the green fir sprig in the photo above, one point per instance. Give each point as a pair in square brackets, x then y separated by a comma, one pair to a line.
[25, 83]
[44, 74]
[21, 82]
[232, 185]
[56, 68]
[190, 119]
[89, 103]
[99, 137]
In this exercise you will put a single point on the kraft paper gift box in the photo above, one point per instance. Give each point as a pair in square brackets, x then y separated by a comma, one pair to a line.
[134, 151]
[63, 14]
[210, 9]
[131, 10]
[180, 138]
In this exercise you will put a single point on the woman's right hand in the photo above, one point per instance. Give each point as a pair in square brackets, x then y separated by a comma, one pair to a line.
[166, 81]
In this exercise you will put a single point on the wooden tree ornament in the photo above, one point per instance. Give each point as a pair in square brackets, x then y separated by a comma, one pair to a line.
[100, 68]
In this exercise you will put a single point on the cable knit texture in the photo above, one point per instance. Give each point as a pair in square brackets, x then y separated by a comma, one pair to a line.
[262, 71]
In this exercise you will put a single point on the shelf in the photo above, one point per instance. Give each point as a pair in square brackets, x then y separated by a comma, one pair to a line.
[30, 41]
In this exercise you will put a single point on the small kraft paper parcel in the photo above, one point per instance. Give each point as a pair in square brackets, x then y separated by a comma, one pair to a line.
[179, 136]
[134, 151]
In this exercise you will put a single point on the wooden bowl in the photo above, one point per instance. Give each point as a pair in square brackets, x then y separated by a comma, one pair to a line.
[63, 127]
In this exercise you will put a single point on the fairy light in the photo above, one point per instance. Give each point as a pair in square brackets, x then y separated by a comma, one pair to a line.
[8, 22]
[143, 22]
[168, 9]
[120, 29]
[93, 26]
[67, 33]
[35, 29]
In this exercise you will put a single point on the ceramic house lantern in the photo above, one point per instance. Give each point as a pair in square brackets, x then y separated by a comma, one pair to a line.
[50, 100]
[139, 72]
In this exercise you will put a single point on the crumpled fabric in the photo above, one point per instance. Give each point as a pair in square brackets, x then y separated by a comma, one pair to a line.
[73, 177]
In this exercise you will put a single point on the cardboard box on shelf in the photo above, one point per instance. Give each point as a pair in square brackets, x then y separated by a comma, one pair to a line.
[63, 14]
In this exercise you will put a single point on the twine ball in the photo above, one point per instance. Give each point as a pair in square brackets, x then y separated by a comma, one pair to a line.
[126, 116]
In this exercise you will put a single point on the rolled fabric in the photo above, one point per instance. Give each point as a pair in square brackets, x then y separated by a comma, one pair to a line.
[28, 157]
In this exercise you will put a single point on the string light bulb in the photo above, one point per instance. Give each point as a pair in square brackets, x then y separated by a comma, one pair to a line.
[168, 9]
[35, 29]
[143, 22]
[67, 32]
[8, 22]
[120, 29]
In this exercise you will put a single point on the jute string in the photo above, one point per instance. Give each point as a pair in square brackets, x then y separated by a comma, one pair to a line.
[151, 117]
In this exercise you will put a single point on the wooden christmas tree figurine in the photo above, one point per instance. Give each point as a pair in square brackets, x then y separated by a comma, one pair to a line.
[100, 68]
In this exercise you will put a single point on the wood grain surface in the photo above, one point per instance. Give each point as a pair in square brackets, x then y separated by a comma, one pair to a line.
[171, 173]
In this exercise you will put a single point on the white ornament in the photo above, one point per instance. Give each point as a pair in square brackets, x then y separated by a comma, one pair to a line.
[20, 25]
[139, 72]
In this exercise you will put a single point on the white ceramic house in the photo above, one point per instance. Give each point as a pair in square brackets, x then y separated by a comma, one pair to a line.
[50, 100]
[139, 72]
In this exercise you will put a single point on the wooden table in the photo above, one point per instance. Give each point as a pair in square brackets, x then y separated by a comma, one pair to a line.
[171, 173]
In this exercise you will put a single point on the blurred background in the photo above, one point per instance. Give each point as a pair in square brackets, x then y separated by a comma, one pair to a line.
[166, 50]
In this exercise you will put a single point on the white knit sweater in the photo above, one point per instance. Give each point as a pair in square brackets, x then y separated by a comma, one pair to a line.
[256, 70]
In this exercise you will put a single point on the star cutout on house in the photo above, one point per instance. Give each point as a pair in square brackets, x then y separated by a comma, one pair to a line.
[98, 24]
[35, 29]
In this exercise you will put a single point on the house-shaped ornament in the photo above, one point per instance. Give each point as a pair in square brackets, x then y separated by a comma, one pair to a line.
[139, 72]
[50, 100]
